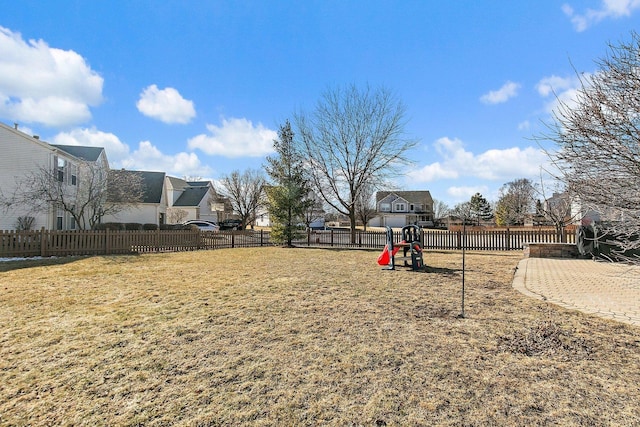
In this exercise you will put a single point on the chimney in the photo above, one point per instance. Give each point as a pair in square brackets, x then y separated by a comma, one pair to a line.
[15, 126]
[36, 136]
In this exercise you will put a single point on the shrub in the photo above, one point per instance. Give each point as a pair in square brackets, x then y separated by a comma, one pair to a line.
[149, 226]
[111, 226]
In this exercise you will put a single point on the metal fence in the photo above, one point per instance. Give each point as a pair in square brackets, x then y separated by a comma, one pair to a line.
[105, 242]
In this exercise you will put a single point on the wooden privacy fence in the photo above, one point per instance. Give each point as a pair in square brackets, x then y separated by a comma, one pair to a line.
[104, 242]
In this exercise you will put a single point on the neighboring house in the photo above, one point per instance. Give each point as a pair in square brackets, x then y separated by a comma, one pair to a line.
[170, 200]
[400, 208]
[192, 200]
[24, 156]
[152, 209]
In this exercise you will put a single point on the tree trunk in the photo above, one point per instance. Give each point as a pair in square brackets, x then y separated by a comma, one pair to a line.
[352, 220]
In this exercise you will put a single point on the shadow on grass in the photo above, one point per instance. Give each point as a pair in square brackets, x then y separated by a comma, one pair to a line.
[10, 265]
[441, 270]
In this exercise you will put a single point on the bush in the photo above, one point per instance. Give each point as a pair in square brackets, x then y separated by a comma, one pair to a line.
[149, 226]
[111, 226]
[172, 227]
[133, 226]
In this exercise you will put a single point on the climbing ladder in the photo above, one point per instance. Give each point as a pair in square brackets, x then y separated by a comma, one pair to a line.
[411, 246]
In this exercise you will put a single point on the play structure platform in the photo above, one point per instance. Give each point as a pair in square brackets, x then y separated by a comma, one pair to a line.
[411, 246]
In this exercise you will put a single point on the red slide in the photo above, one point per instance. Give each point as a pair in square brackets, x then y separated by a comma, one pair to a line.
[383, 258]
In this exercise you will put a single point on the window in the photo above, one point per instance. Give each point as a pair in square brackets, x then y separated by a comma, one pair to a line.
[73, 174]
[400, 207]
[411, 207]
[385, 207]
[60, 169]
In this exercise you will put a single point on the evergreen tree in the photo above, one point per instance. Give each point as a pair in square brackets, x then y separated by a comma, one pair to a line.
[480, 208]
[288, 195]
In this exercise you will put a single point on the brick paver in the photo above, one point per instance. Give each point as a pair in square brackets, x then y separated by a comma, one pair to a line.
[605, 289]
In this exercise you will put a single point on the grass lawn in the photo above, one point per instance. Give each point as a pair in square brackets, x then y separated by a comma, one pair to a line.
[273, 336]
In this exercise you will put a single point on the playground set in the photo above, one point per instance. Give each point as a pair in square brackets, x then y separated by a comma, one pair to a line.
[411, 246]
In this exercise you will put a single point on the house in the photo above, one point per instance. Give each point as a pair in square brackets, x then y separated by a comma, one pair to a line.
[192, 200]
[152, 209]
[25, 157]
[400, 208]
[170, 200]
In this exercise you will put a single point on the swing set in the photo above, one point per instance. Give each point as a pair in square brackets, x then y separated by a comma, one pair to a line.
[411, 246]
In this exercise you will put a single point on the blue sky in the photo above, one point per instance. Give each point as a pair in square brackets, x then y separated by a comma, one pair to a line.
[198, 88]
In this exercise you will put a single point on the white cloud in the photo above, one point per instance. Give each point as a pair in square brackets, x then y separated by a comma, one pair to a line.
[40, 84]
[564, 90]
[465, 193]
[235, 138]
[608, 9]
[525, 125]
[166, 105]
[146, 157]
[495, 164]
[117, 151]
[434, 172]
[506, 92]
[149, 157]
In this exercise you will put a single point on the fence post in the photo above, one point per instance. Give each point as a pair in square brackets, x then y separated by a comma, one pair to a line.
[332, 237]
[233, 239]
[459, 239]
[261, 237]
[43, 242]
[508, 236]
[308, 236]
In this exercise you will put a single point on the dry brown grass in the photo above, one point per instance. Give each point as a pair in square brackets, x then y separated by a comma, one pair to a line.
[301, 337]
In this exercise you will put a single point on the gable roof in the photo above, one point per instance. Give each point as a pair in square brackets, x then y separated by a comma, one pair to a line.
[177, 183]
[191, 196]
[153, 184]
[409, 196]
[90, 154]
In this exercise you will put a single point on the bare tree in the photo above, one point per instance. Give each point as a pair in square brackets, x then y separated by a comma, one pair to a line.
[314, 210]
[365, 205]
[352, 139]
[176, 215]
[597, 136]
[440, 210]
[93, 194]
[245, 191]
[515, 202]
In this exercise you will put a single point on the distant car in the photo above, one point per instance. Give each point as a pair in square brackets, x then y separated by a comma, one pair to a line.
[230, 224]
[203, 225]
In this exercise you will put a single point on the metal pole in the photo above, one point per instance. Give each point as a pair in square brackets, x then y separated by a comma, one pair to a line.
[464, 244]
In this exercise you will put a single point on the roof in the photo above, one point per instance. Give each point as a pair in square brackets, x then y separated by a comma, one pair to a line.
[177, 183]
[198, 183]
[90, 154]
[409, 196]
[191, 196]
[153, 183]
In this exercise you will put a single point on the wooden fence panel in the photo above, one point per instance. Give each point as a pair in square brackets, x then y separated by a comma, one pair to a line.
[64, 243]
